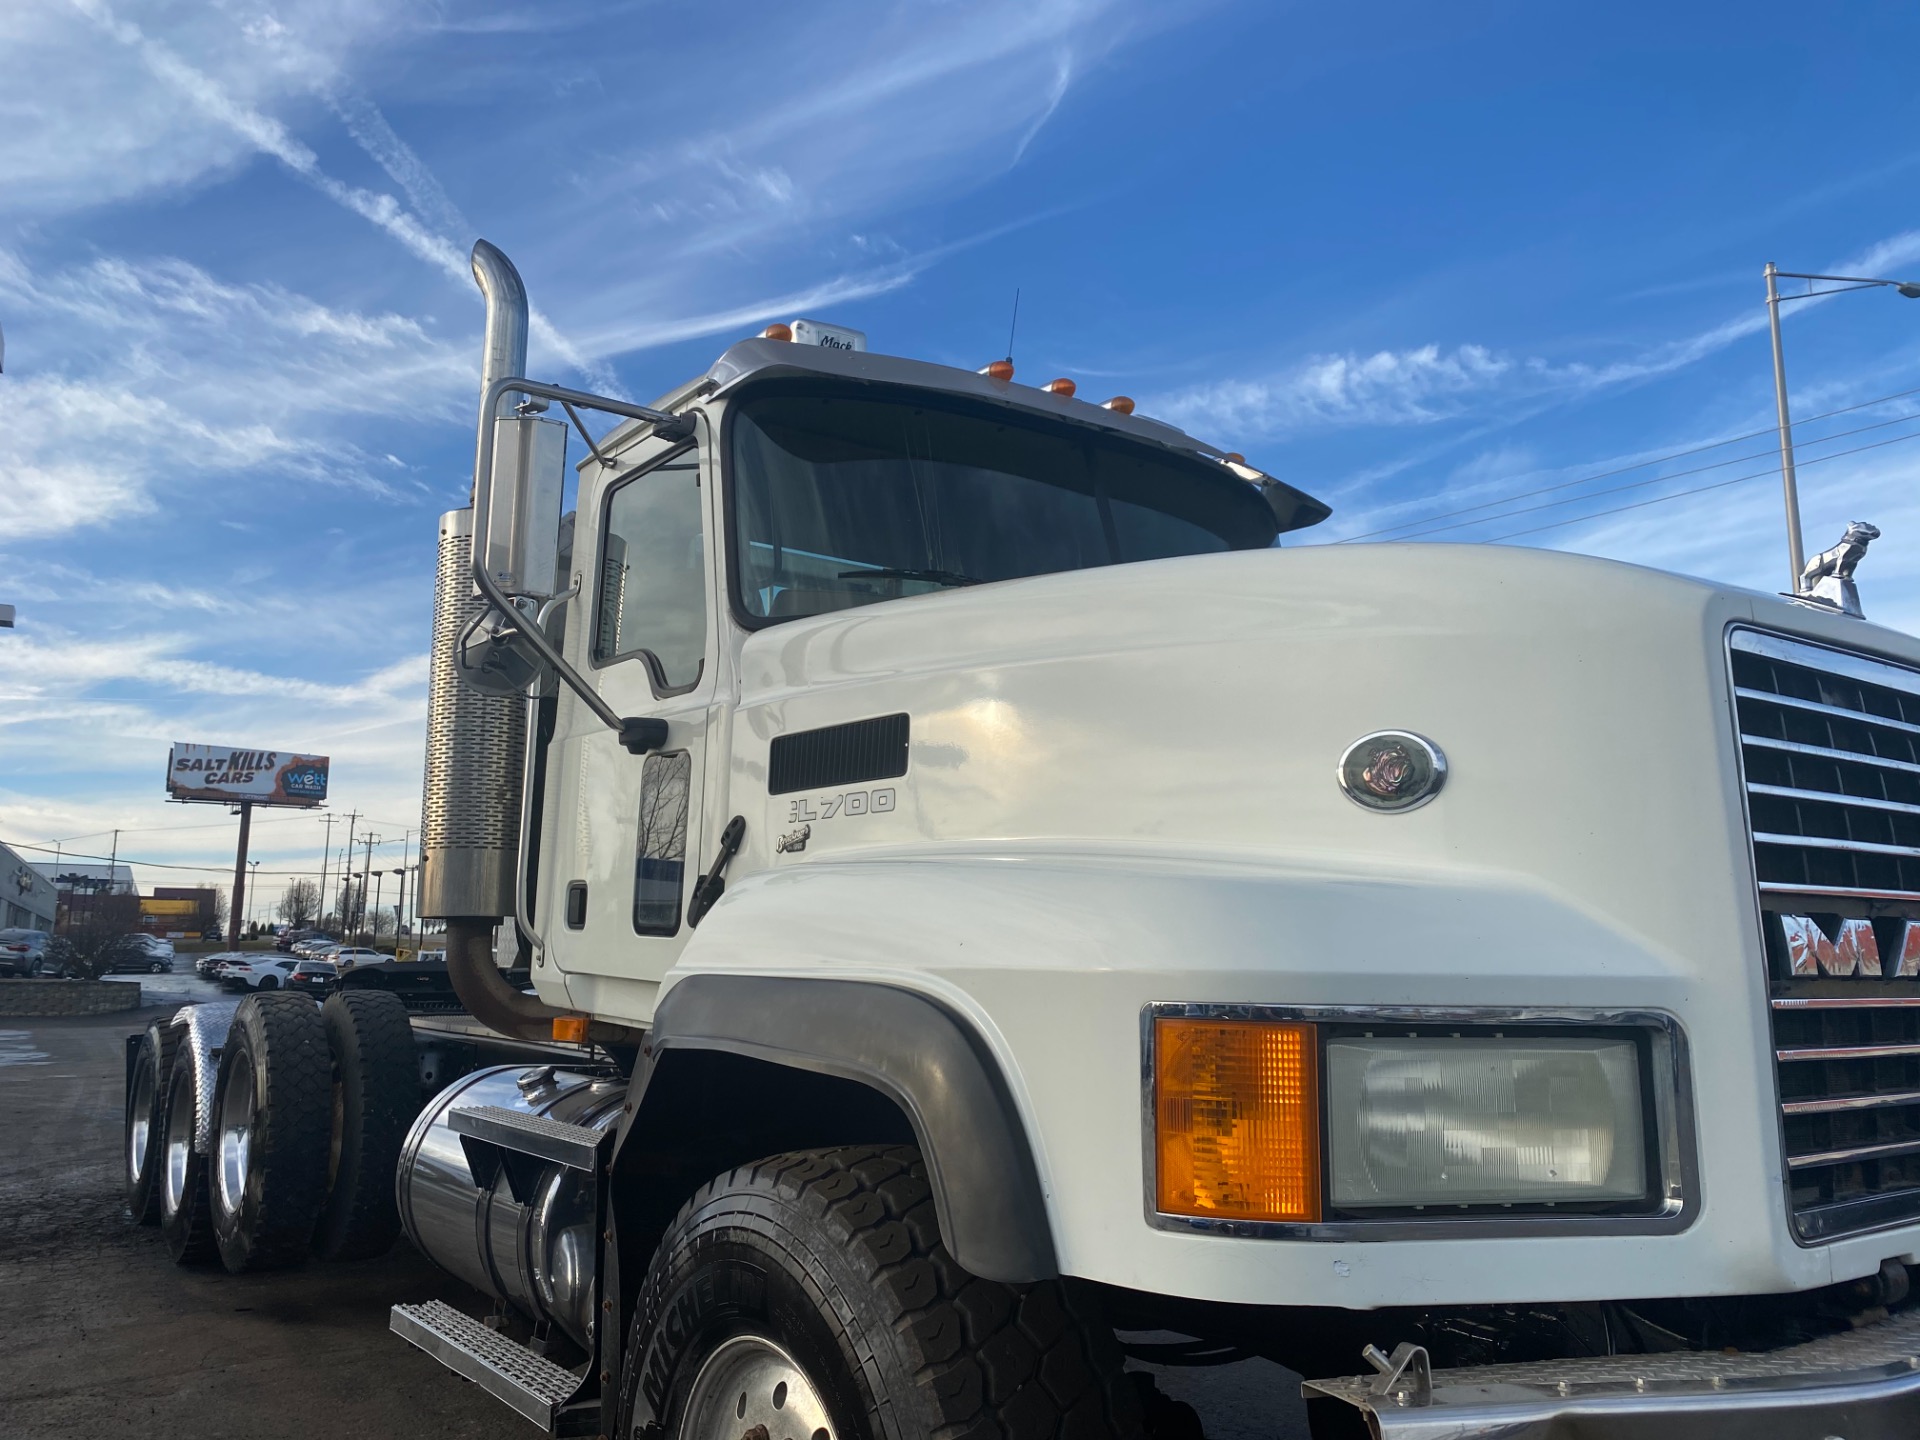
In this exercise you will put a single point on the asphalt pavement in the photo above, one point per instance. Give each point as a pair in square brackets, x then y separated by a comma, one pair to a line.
[104, 1335]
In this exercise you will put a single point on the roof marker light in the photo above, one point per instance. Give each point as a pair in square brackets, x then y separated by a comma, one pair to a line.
[777, 331]
[1001, 370]
[1063, 387]
[1234, 457]
[1120, 405]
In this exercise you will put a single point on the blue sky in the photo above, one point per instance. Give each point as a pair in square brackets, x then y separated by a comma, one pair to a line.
[1415, 258]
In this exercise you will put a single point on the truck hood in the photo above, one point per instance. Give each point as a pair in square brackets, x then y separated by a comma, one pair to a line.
[1203, 704]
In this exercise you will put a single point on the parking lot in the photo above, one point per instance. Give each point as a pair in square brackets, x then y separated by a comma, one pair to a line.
[107, 1336]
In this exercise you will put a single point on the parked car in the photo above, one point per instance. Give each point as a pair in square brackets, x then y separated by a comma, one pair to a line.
[255, 973]
[293, 939]
[23, 952]
[138, 952]
[207, 967]
[348, 956]
[311, 944]
[312, 977]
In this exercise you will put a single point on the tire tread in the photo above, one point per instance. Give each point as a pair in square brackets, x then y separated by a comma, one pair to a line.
[991, 1361]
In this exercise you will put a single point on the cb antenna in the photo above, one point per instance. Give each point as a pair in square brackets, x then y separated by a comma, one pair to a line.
[1014, 324]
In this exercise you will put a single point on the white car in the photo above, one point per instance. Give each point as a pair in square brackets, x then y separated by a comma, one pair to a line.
[348, 956]
[255, 972]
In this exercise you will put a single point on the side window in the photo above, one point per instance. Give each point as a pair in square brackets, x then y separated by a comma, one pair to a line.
[660, 855]
[653, 589]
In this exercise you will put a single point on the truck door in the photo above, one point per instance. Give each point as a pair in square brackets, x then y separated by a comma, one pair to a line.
[625, 831]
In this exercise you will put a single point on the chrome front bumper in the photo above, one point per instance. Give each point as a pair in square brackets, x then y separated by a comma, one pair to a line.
[1862, 1385]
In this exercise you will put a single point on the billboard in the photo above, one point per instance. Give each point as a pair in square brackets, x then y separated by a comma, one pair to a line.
[265, 777]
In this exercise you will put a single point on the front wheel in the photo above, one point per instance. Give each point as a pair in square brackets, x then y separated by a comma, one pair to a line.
[155, 968]
[809, 1295]
[267, 982]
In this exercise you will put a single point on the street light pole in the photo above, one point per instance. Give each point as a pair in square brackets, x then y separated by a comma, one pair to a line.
[1796, 556]
[1789, 485]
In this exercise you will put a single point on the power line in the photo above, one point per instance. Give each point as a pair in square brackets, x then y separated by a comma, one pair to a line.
[1656, 480]
[1696, 490]
[144, 864]
[1637, 465]
[169, 829]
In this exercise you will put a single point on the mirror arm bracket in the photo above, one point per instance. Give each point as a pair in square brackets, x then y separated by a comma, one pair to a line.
[637, 734]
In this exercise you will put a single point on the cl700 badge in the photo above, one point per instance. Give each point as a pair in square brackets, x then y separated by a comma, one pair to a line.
[852, 802]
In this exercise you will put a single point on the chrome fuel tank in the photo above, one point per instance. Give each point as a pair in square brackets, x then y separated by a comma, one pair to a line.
[539, 1256]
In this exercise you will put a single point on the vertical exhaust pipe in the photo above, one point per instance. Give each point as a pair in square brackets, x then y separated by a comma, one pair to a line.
[470, 820]
[476, 741]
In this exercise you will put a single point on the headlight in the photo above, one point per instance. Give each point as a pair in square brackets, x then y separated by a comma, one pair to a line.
[1483, 1121]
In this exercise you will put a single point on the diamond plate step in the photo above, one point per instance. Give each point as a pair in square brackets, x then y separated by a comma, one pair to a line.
[575, 1146]
[1858, 1384]
[530, 1383]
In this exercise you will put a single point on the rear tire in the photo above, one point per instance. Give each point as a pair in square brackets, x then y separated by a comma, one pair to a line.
[267, 982]
[269, 1157]
[186, 1217]
[811, 1292]
[145, 1148]
[375, 1095]
[155, 968]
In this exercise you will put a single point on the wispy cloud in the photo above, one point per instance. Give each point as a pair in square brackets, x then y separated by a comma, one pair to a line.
[170, 375]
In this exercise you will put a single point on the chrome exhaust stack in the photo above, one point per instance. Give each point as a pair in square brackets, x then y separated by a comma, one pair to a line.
[470, 806]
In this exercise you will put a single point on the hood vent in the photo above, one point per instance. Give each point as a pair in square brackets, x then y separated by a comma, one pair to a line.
[850, 754]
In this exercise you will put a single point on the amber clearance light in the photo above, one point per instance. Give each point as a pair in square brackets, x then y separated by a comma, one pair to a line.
[1237, 1119]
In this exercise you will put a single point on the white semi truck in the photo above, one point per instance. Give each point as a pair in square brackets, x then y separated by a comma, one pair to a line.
[945, 888]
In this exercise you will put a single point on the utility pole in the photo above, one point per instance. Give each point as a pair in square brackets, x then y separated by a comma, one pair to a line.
[326, 854]
[1789, 485]
[366, 873]
[346, 858]
[253, 887]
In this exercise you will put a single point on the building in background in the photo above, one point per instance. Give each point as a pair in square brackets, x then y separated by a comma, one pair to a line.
[179, 910]
[28, 900]
[86, 889]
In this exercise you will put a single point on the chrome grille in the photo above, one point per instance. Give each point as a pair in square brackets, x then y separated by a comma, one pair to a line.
[1830, 755]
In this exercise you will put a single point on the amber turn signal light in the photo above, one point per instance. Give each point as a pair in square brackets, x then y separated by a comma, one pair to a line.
[570, 1028]
[777, 331]
[1236, 1119]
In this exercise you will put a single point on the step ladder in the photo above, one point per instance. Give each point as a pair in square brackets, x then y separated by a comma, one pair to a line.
[531, 1384]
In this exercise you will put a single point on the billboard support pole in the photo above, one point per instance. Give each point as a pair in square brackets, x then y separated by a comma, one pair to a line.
[238, 906]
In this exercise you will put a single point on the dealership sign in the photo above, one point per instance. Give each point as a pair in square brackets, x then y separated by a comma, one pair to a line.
[265, 777]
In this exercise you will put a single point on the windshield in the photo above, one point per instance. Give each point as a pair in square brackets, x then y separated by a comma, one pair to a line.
[844, 499]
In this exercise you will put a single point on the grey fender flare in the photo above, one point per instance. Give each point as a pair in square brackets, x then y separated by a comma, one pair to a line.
[986, 1189]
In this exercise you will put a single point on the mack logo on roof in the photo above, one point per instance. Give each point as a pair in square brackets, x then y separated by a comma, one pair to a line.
[828, 337]
[1853, 950]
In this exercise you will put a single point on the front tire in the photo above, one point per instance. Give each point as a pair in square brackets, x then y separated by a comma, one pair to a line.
[812, 1290]
[155, 968]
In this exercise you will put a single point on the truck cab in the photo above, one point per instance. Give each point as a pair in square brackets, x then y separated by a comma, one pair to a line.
[988, 894]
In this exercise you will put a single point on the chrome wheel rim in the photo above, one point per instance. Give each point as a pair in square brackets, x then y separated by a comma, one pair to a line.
[179, 1149]
[141, 1130]
[752, 1389]
[236, 1132]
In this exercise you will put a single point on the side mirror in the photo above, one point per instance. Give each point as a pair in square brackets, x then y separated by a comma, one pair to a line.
[495, 656]
[521, 546]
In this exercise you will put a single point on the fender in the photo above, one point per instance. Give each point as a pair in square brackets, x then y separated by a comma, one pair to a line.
[916, 1053]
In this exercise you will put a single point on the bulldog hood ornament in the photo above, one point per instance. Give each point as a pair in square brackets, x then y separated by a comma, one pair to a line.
[1828, 578]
